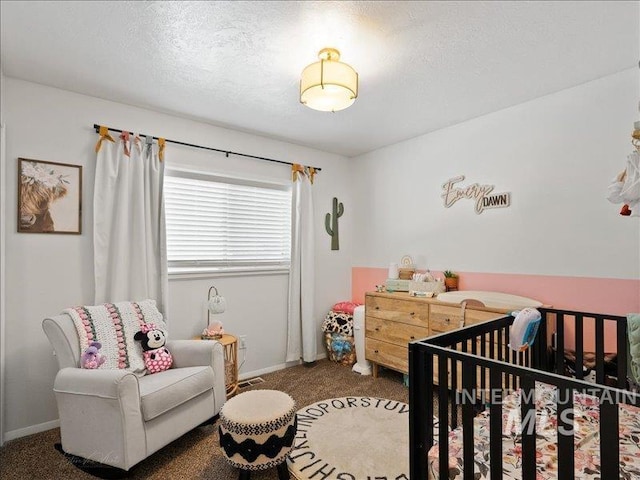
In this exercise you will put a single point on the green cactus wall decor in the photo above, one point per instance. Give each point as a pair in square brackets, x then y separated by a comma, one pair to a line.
[338, 210]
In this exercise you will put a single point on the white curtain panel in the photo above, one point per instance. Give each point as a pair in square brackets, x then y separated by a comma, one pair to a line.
[129, 238]
[302, 329]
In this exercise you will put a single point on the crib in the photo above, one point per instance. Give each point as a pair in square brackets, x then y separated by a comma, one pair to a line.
[481, 385]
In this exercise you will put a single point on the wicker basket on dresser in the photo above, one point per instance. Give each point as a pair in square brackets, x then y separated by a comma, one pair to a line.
[392, 320]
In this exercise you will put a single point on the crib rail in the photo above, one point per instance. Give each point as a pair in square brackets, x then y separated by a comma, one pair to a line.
[471, 368]
[602, 323]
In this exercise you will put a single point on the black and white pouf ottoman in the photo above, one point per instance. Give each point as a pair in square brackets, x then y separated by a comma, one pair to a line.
[257, 429]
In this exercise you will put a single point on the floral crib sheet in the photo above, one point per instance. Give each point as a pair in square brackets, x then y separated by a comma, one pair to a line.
[586, 437]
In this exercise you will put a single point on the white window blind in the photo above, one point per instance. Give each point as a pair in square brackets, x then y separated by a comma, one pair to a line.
[218, 222]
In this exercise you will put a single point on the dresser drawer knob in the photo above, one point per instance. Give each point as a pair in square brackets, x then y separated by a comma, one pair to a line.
[412, 337]
[447, 320]
[375, 351]
[377, 308]
[377, 329]
[412, 313]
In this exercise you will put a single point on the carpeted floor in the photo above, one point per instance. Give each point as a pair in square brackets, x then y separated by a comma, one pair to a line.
[196, 455]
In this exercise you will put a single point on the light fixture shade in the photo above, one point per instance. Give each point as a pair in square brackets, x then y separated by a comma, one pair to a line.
[328, 85]
[217, 304]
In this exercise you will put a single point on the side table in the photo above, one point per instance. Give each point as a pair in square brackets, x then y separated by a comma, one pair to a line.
[230, 344]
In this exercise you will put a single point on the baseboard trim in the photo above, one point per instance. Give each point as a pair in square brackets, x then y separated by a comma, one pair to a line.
[262, 371]
[23, 432]
[275, 368]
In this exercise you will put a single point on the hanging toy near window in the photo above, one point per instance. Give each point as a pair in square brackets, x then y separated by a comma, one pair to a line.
[625, 188]
[524, 329]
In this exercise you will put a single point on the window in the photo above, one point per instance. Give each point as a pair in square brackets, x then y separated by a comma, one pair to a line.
[216, 223]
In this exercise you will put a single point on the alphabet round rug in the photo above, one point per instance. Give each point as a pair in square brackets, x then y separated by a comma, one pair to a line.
[352, 438]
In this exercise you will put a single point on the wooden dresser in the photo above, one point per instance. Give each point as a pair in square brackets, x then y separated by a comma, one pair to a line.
[392, 320]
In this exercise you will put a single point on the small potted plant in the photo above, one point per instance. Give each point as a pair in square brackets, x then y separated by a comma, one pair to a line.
[450, 280]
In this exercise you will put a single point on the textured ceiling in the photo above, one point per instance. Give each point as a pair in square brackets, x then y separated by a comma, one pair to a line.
[422, 65]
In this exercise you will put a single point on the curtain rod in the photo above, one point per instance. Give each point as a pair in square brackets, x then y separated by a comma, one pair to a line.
[226, 152]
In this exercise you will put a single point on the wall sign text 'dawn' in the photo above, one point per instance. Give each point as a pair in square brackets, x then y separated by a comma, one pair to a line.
[480, 193]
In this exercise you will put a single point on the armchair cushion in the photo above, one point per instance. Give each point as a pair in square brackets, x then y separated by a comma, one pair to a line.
[163, 391]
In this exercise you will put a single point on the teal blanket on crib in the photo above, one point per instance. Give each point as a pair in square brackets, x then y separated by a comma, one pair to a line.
[633, 331]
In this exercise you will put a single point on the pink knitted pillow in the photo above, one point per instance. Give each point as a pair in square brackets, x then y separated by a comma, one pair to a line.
[345, 307]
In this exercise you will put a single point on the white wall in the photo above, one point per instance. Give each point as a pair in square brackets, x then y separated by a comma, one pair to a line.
[556, 155]
[47, 273]
[2, 256]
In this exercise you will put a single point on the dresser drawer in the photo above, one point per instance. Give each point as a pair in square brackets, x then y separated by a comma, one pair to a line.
[387, 354]
[444, 318]
[479, 316]
[397, 310]
[394, 332]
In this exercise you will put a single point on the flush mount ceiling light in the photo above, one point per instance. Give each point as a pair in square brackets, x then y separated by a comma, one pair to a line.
[328, 85]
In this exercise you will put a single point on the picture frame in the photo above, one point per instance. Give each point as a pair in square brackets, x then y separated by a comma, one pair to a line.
[49, 197]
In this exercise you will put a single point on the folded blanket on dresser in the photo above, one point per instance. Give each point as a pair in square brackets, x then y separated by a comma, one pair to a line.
[114, 326]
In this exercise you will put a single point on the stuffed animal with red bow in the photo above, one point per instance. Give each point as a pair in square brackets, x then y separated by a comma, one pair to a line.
[156, 356]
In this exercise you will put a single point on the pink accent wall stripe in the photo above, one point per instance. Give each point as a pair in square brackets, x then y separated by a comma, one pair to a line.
[611, 296]
[597, 295]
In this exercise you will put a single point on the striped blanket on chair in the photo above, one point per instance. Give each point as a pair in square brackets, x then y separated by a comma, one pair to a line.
[114, 326]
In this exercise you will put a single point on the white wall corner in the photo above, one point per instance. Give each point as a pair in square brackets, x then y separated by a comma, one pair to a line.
[3, 177]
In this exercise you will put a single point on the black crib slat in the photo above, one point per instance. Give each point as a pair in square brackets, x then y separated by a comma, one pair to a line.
[492, 344]
[622, 354]
[443, 408]
[540, 346]
[469, 385]
[565, 426]
[579, 348]
[507, 350]
[560, 343]
[528, 426]
[515, 379]
[495, 425]
[483, 370]
[421, 411]
[609, 446]
[523, 360]
[599, 349]
[454, 387]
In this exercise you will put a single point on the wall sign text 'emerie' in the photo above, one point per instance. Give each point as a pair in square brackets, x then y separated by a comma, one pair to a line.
[480, 193]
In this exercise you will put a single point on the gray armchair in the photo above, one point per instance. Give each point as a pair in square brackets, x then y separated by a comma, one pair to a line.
[117, 418]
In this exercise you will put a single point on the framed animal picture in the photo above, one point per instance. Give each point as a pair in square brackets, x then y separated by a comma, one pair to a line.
[49, 197]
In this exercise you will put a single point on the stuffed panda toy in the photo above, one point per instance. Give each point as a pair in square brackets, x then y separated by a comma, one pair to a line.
[156, 356]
